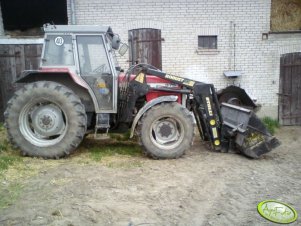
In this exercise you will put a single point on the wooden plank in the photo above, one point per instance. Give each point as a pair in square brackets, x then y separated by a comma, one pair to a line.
[3, 67]
[14, 59]
[19, 60]
[1, 106]
[290, 83]
[145, 46]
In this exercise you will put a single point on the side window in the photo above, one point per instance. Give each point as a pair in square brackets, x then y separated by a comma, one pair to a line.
[207, 42]
[92, 56]
[58, 51]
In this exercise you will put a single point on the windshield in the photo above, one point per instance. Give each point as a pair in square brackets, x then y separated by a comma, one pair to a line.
[58, 51]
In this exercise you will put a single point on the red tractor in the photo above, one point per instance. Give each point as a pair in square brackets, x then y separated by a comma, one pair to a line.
[80, 89]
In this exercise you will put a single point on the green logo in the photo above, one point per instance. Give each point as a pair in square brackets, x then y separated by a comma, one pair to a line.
[277, 212]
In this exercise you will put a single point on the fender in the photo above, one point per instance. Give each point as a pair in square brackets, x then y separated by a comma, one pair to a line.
[65, 77]
[31, 75]
[147, 106]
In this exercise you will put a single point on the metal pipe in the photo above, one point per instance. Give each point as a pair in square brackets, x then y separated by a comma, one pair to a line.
[72, 9]
[131, 39]
[1, 23]
[234, 37]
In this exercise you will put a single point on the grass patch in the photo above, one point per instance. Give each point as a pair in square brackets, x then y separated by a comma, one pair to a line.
[6, 161]
[271, 124]
[9, 190]
[122, 161]
[121, 136]
[7, 155]
[4, 145]
[114, 148]
[9, 194]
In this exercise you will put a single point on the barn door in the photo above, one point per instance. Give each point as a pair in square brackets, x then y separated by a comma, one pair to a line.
[290, 89]
[145, 47]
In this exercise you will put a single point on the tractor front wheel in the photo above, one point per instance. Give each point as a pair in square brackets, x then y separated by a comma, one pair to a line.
[166, 131]
[45, 119]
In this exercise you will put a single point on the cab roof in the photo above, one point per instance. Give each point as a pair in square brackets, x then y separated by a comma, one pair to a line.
[49, 28]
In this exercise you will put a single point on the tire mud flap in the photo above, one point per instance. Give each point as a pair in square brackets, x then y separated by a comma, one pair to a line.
[245, 132]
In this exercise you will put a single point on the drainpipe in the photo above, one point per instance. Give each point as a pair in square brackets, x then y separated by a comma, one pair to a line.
[72, 11]
[1, 24]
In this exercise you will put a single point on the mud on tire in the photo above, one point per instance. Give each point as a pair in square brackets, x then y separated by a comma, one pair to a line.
[45, 119]
[166, 131]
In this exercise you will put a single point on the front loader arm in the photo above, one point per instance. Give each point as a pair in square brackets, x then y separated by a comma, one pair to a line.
[230, 127]
[205, 106]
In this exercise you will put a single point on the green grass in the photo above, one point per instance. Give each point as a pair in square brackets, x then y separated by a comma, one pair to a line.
[7, 155]
[6, 161]
[115, 148]
[271, 124]
[1, 127]
[120, 137]
[9, 194]
[4, 145]
[9, 191]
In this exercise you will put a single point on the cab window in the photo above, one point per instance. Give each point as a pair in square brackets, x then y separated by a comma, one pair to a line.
[92, 56]
[58, 51]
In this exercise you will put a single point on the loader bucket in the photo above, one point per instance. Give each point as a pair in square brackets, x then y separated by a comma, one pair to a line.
[246, 132]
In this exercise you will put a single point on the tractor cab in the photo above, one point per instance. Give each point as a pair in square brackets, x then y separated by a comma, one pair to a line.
[88, 53]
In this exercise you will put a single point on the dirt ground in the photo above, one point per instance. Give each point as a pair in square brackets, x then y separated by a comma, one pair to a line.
[202, 188]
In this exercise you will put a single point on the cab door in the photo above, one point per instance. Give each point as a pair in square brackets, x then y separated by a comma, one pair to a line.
[96, 69]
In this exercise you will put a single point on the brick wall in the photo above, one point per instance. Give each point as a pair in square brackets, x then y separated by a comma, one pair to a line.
[181, 21]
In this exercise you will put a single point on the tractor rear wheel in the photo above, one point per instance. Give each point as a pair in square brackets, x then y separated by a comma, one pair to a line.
[45, 119]
[166, 131]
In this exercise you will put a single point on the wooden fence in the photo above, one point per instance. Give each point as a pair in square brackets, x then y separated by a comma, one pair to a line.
[16, 56]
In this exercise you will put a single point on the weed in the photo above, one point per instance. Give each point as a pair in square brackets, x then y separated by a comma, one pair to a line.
[271, 124]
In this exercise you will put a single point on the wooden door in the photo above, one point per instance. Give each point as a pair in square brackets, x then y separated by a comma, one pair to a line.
[290, 89]
[145, 47]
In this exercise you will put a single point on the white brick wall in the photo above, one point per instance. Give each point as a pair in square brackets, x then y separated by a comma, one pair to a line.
[181, 21]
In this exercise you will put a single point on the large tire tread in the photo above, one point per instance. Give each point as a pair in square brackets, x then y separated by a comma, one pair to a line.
[189, 125]
[71, 103]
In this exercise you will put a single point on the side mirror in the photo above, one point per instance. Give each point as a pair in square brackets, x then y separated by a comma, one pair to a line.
[123, 49]
[115, 42]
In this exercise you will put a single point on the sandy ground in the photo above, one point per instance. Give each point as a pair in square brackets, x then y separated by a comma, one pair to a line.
[202, 188]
